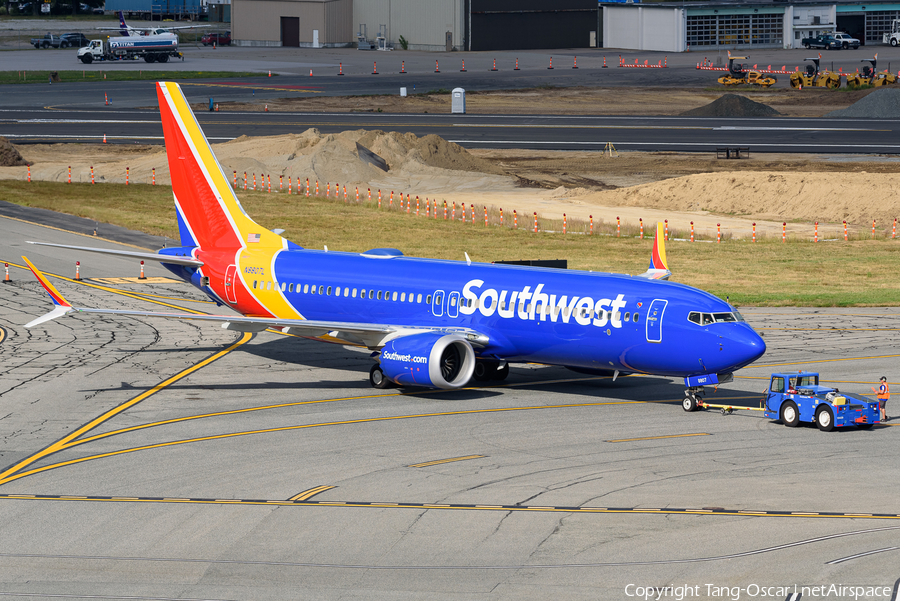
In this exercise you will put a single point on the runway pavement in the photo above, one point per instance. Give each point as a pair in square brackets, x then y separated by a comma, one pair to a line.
[554, 132]
[147, 458]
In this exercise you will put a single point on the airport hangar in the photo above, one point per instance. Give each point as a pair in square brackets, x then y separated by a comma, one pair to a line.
[478, 25]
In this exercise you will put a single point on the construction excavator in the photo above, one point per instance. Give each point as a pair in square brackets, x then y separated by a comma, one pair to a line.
[870, 76]
[739, 74]
[812, 77]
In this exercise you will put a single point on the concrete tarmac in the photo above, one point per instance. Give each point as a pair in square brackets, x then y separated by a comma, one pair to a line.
[132, 467]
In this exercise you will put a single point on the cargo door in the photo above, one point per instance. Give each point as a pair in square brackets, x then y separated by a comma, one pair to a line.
[654, 320]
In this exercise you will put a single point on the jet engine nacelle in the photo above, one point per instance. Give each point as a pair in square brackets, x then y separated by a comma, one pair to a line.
[429, 359]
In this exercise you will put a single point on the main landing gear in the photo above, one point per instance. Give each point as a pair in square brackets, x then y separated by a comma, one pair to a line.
[692, 398]
[377, 378]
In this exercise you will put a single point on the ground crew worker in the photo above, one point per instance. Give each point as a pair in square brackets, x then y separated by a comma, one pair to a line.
[884, 393]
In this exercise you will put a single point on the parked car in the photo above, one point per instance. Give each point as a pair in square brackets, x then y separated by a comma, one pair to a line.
[826, 42]
[73, 40]
[219, 38]
[846, 40]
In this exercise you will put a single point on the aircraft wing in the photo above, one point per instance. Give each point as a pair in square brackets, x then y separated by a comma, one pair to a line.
[371, 335]
[171, 259]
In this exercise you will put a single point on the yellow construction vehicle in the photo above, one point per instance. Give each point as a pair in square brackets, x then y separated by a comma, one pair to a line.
[812, 77]
[870, 76]
[739, 73]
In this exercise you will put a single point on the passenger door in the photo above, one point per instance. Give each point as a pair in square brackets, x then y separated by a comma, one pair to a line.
[437, 303]
[453, 304]
[654, 320]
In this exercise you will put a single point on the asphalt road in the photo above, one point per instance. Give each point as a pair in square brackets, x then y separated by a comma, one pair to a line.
[77, 112]
[133, 466]
[478, 131]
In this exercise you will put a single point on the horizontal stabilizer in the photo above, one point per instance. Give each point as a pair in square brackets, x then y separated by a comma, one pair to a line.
[172, 260]
[58, 311]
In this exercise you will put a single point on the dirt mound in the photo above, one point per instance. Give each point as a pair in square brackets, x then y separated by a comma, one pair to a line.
[882, 103]
[855, 197]
[415, 163]
[333, 157]
[732, 105]
[9, 156]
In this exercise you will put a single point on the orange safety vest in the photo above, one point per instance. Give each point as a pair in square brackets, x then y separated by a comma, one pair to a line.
[884, 393]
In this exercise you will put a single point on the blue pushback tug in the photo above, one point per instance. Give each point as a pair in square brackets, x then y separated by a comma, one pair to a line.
[797, 397]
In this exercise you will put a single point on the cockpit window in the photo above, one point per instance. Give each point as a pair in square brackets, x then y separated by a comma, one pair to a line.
[705, 319]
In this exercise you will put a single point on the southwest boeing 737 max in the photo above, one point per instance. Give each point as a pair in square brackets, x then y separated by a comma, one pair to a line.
[433, 323]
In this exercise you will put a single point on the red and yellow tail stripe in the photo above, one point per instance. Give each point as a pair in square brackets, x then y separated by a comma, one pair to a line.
[658, 257]
[55, 296]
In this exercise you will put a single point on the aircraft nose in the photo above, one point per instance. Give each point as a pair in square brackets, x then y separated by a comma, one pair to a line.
[742, 346]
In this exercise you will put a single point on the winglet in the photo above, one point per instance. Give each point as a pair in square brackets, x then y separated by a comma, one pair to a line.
[659, 268]
[62, 305]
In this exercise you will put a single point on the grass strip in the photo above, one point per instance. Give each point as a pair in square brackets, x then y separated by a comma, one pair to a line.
[22, 77]
[764, 273]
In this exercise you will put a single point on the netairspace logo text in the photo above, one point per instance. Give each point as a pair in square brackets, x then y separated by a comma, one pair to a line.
[755, 591]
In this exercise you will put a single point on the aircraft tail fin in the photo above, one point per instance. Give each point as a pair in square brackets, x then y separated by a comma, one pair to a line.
[659, 268]
[210, 216]
[122, 26]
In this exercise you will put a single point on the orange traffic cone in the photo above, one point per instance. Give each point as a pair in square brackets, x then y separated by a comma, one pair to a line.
[104, 138]
[142, 276]
[6, 280]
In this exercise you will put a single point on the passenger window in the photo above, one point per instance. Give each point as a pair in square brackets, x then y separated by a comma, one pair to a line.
[371, 294]
[269, 285]
[346, 292]
[777, 385]
[394, 297]
[636, 315]
[627, 316]
[254, 284]
[353, 294]
[306, 288]
[427, 299]
[617, 316]
[419, 299]
[453, 301]
[694, 316]
[379, 295]
[402, 297]
[291, 287]
[328, 291]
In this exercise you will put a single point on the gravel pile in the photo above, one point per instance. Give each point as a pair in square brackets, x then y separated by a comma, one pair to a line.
[732, 105]
[883, 103]
[9, 156]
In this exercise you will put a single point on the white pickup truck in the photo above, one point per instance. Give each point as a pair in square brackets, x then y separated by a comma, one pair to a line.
[847, 41]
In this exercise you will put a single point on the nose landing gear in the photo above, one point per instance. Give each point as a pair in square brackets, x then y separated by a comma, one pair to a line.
[692, 398]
